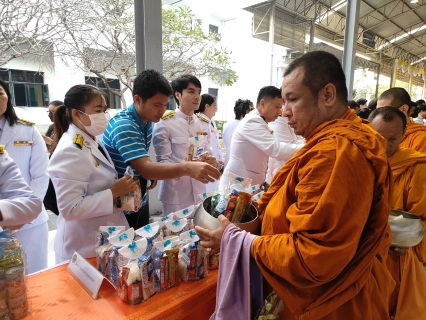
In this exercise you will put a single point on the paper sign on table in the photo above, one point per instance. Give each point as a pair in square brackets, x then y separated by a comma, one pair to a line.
[85, 274]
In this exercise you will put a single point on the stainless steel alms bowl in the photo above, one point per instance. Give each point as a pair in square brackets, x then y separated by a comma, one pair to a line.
[407, 229]
[251, 222]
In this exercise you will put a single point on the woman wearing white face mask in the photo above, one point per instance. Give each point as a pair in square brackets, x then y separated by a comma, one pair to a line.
[83, 174]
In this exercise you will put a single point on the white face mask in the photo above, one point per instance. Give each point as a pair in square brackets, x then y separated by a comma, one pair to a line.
[98, 123]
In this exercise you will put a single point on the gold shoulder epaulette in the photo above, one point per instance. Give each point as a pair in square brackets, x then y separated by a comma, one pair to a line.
[28, 123]
[78, 140]
[203, 118]
[168, 114]
[1, 149]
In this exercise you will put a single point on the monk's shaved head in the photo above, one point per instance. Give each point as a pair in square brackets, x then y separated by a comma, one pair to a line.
[395, 97]
[390, 123]
[389, 114]
[320, 69]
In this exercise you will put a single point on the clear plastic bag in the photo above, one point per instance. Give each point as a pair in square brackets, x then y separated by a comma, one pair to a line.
[133, 200]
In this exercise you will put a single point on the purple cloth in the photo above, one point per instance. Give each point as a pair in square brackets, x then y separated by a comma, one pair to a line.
[233, 285]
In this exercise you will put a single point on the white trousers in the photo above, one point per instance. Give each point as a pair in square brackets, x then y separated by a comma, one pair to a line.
[34, 241]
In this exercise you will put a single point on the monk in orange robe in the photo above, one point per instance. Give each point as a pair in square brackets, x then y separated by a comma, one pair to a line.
[324, 244]
[415, 134]
[408, 300]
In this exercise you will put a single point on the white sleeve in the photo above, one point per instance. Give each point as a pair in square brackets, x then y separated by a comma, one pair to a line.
[70, 172]
[18, 204]
[162, 143]
[38, 166]
[257, 132]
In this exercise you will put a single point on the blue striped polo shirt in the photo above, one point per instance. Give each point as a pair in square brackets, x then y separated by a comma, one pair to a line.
[127, 138]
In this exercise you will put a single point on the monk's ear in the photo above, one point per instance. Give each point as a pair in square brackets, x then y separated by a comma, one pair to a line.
[404, 108]
[329, 94]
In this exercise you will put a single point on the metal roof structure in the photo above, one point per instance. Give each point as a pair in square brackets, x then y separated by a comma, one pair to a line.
[388, 29]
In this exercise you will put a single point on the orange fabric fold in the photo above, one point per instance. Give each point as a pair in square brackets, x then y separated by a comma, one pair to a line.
[409, 174]
[325, 234]
[415, 137]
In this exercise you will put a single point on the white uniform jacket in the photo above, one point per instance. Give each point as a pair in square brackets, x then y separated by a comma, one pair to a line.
[283, 132]
[217, 149]
[82, 178]
[18, 203]
[419, 119]
[228, 132]
[252, 145]
[171, 143]
[26, 147]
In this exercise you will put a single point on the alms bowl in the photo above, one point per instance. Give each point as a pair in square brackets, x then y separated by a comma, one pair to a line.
[407, 229]
[250, 222]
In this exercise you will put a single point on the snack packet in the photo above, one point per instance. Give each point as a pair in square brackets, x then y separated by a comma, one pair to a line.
[133, 200]
[146, 269]
[165, 263]
[193, 259]
[271, 307]
[175, 227]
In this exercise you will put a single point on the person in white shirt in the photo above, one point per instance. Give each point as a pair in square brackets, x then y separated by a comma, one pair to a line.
[208, 109]
[241, 109]
[253, 142]
[283, 132]
[422, 114]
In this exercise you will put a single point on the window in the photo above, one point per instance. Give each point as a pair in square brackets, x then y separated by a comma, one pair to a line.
[114, 100]
[214, 92]
[214, 29]
[27, 88]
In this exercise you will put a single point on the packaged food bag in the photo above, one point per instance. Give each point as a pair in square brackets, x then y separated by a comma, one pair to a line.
[166, 263]
[133, 200]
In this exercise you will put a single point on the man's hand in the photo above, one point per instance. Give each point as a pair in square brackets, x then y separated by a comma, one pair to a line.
[212, 238]
[202, 171]
[152, 185]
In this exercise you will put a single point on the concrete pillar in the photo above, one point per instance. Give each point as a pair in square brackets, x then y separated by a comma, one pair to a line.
[393, 76]
[350, 43]
[272, 39]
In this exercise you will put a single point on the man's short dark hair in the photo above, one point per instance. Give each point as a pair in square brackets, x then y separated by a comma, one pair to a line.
[268, 92]
[422, 107]
[320, 69]
[397, 96]
[353, 104]
[388, 114]
[372, 104]
[183, 82]
[361, 101]
[56, 103]
[420, 102]
[150, 82]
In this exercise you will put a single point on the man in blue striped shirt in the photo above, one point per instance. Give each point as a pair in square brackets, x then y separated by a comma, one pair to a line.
[128, 138]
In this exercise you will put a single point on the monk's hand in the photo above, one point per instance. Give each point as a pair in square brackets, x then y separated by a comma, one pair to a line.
[212, 238]
[398, 251]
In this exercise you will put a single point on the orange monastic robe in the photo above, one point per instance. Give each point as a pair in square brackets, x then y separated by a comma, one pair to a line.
[325, 235]
[415, 137]
[409, 174]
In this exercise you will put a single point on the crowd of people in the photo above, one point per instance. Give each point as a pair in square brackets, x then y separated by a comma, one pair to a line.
[325, 244]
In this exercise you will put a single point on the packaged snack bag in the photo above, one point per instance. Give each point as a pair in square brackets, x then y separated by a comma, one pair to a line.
[243, 202]
[271, 307]
[146, 268]
[193, 258]
[133, 200]
[175, 227]
[123, 239]
[165, 263]
[152, 233]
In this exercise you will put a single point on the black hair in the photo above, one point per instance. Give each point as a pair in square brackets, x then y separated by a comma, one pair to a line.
[9, 114]
[397, 96]
[388, 114]
[150, 82]
[320, 69]
[422, 107]
[241, 108]
[77, 97]
[56, 103]
[363, 113]
[353, 104]
[415, 112]
[182, 83]
[206, 98]
[372, 105]
[420, 102]
[268, 92]
[361, 101]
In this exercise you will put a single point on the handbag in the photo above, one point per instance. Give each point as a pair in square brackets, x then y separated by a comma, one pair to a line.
[49, 200]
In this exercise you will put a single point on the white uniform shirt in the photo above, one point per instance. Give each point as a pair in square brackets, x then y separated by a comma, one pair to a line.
[26, 147]
[171, 143]
[284, 133]
[18, 203]
[228, 132]
[419, 119]
[251, 146]
[82, 178]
